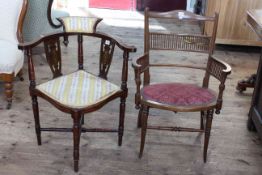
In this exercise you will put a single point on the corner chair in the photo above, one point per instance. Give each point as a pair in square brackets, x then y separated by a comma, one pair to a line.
[79, 92]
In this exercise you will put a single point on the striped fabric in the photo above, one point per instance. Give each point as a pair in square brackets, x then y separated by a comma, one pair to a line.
[79, 24]
[78, 90]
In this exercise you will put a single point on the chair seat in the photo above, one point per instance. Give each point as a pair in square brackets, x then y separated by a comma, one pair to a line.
[78, 90]
[12, 59]
[178, 95]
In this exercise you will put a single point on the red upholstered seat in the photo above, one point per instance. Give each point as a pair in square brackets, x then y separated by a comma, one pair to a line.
[178, 94]
[178, 97]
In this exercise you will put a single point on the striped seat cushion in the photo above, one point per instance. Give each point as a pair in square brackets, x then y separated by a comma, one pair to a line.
[80, 24]
[78, 90]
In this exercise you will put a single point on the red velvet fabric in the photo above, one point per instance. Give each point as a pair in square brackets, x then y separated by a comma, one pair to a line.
[178, 94]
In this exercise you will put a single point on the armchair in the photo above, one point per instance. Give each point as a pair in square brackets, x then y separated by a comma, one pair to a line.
[12, 15]
[41, 19]
[78, 92]
[179, 95]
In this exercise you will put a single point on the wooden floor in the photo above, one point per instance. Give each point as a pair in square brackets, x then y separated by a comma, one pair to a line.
[233, 149]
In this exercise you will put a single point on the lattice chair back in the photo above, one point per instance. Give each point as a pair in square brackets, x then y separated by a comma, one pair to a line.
[180, 40]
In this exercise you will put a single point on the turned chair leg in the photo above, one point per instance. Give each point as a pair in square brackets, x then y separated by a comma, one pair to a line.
[209, 118]
[121, 120]
[9, 90]
[76, 138]
[37, 121]
[144, 118]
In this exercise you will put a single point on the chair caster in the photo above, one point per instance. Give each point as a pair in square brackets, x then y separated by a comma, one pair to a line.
[248, 83]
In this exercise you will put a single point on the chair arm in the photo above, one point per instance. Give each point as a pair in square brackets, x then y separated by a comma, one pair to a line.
[220, 70]
[118, 41]
[37, 41]
[141, 64]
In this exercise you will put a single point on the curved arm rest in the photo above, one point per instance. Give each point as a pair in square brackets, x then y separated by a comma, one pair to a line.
[33, 43]
[141, 64]
[227, 67]
[219, 69]
[118, 42]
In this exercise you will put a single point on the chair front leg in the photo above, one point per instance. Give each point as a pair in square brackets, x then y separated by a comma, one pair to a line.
[37, 121]
[209, 118]
[76, 138]
[121, 120]
[9, 90]
[144, 118]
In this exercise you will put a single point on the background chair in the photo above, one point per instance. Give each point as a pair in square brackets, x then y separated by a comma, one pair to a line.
[12, 15]
[174, 95]
[41, 19]
[79, 92]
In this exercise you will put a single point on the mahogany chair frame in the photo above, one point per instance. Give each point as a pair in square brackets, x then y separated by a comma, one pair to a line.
[52, 42]
[179, 42]
[8, 78]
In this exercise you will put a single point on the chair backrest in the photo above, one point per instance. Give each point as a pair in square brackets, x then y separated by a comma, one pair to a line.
[54, 54]
[176, 31]
[11, 19]
[38, 20]
[179, 40]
